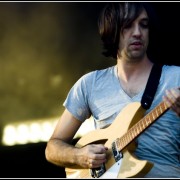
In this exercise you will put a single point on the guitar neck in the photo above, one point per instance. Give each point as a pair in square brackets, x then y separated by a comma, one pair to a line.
[141, 125]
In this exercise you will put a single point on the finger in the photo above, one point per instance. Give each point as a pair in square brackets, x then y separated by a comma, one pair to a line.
[95, 163]
[171, 96]
[175, 92]
[176, 109]
[99, 148]
[101, 156]
[172, 99]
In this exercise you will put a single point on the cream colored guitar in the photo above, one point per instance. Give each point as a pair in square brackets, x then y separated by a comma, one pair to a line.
[118, 137]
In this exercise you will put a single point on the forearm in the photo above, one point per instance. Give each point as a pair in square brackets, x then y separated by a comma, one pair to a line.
[61, 153]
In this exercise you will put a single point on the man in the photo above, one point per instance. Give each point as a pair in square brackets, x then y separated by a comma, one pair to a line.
[124, 28]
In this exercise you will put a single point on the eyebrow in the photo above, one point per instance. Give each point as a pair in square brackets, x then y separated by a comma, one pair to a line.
[145, 19]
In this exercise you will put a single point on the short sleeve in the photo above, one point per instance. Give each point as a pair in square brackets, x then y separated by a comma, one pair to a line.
[77, 99]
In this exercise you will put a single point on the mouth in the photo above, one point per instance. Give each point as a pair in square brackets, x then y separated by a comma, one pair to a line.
[136, 45]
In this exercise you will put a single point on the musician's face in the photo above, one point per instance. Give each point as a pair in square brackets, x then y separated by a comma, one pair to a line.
[134, 38]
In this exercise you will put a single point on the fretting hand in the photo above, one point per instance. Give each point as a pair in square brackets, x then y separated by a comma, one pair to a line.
[172, 99]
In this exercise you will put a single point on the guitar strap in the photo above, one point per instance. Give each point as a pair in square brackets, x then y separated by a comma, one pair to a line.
[151, 86]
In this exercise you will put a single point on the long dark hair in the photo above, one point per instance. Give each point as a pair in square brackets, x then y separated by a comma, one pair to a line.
[114, 17]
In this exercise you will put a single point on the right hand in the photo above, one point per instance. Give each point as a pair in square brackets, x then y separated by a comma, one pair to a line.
[91, 156]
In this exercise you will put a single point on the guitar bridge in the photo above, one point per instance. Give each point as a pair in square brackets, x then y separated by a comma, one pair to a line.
[97, 172]
[116, 153]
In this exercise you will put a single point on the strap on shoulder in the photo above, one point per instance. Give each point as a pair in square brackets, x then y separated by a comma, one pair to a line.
[151, 86]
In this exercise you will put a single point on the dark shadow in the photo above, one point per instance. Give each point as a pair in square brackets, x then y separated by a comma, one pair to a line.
[27, 161]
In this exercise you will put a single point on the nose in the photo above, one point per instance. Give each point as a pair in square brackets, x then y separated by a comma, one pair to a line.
[137, 31]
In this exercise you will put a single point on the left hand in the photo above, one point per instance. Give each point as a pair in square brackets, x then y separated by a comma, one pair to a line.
[172, 99]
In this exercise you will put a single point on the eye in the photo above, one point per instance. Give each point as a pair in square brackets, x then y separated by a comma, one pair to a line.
[144, 24]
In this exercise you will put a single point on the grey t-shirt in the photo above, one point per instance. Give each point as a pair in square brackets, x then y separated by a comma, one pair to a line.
[99, 94]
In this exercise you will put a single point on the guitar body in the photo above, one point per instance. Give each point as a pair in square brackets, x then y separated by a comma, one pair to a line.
[128, 165]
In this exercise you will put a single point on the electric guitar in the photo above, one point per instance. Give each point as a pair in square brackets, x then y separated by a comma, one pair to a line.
[118, 137]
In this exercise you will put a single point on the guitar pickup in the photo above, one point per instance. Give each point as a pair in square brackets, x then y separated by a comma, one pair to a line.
[117, 155]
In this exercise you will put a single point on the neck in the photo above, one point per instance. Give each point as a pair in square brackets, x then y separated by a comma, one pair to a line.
[133, 76]
[132, 69]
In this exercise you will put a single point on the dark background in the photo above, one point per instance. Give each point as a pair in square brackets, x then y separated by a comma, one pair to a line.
[44, 42]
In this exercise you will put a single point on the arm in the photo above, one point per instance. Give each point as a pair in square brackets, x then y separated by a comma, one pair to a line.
[59, 150]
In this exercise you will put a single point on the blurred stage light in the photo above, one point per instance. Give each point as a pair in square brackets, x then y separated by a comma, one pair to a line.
[36, 131]
[28, 132]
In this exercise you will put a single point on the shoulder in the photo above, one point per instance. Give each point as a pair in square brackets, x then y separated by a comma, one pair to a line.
[170, 68]
[171, 71]
[98, 74]
[171, 75]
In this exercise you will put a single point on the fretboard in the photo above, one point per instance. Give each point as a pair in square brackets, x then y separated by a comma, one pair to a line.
[141, 125]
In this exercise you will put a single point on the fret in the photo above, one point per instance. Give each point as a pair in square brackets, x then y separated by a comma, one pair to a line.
[161, 109]
[123, 141]
[156, 110]
[153, 115]
[143, 124]
[118, 143]
[131, 134]
[134, 131]
[147, 121]
[128, 137]
[165, 106]
[139, 127]
[122, 146]
[162, 106]
[150, 119]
